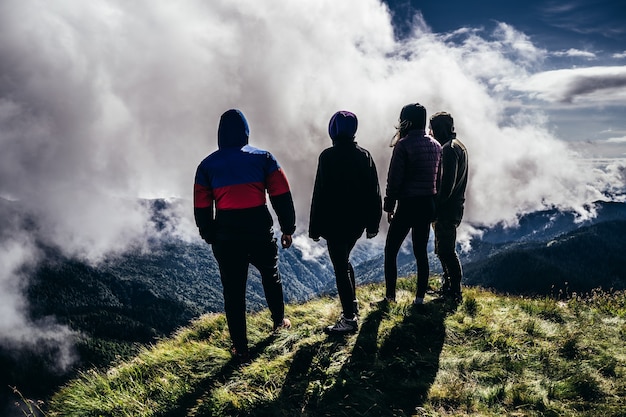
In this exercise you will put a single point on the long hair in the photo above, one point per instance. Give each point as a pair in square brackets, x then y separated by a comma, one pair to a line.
[412, 116]
[401, 130]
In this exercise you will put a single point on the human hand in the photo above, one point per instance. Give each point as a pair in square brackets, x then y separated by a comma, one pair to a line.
[286, 241]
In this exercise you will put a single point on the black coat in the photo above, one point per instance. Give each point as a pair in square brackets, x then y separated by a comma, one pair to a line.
[346, 197]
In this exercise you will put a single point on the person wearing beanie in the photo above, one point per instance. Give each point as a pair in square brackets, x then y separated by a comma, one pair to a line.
[232, 216]
[450, 203]
[412, 181]
[346, 201]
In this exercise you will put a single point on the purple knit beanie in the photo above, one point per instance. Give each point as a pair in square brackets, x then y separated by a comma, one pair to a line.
[342, 125]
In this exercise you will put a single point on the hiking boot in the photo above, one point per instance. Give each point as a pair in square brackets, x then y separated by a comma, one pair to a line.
[385, 302]
[343, 326]
[450, 297]
[283, 324]
[242, 356]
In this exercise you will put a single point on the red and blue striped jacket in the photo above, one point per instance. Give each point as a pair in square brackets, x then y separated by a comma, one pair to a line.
[231, 185]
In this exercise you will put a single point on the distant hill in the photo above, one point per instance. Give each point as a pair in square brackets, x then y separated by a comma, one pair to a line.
[579, 261]
[143, 295]
[541, 226]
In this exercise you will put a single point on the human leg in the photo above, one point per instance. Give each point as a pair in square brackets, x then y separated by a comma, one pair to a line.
[355, 302]
[398, 229]
[232, 259]
[339, 252]
[445, 231]
[420, 235]
[264, 257]
[445, 276]
[423, 213]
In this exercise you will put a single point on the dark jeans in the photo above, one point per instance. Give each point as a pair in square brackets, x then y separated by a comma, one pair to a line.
[233, 258]
[445, 248]
[339, 252]
[415, 214]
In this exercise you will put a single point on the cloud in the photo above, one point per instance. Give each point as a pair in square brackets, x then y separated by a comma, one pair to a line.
[586, 17]
[619, 55]
[519, 42]
[18, 254]
[310, 250]
[592, 84]
[105, 102]
[576, 53]
[617, 140]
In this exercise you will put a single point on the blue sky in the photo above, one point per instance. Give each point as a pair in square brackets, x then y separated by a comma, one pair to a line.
[581, 67]
[588, 29]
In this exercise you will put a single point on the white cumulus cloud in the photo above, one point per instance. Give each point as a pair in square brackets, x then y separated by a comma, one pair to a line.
[604, 85]
[572, 52]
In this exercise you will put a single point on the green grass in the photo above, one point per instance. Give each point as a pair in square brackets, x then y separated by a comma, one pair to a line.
[492, 355]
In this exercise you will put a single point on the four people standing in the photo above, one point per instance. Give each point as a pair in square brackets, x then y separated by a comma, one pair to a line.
[426, 183]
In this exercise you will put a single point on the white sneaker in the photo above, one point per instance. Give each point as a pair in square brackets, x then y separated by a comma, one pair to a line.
[418, 301]
[343, 326]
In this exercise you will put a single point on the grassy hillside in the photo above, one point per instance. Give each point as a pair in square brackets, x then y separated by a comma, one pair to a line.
[493, 355]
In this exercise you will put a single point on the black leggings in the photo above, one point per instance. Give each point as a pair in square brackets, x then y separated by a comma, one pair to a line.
[339, 252]
[415, 214]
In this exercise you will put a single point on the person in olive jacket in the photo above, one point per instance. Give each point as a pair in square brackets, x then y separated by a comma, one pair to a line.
[450, 203]
[346, 201]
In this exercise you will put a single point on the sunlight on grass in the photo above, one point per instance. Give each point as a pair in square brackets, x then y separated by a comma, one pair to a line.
[492, 355]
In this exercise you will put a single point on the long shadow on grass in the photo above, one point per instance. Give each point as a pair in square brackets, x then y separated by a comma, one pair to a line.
[358, 377]
[395, 378]
[190, 399]
[309, 364]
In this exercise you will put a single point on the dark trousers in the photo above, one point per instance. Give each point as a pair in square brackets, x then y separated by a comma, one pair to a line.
[445, 248]
[414, 214]
[233, 258]
[339, 252]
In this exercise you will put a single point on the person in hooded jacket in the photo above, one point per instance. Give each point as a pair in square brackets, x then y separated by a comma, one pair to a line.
[346, 201]
[231, 213]
[450, 203]
[412, 184]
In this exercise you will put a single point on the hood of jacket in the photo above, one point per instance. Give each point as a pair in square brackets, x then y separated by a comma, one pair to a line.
[233, 130]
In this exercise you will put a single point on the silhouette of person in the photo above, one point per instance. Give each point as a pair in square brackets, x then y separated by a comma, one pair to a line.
[231, 213]
[346, 201]
[450, 202]
[412, 183]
